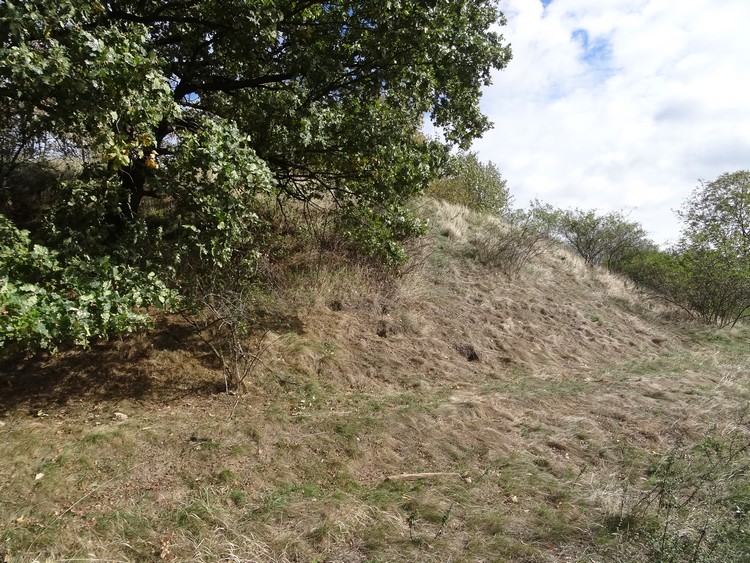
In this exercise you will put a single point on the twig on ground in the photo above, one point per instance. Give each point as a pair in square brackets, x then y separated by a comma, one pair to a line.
[428, 475]
[79, 501]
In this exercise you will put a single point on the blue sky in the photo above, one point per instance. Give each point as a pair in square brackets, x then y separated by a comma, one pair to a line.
[595, 52]
[621, 104]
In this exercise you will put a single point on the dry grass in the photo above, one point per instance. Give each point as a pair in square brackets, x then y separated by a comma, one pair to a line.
[549, 395]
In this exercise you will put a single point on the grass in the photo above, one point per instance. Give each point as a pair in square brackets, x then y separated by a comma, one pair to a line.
[544, 387]
[516, 507]
[557, 445]
[693, 506]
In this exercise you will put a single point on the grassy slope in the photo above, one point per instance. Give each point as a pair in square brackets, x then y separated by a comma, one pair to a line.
[548, 445]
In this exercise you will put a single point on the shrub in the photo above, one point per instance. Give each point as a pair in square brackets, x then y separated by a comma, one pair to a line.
[46, 301]
[511, 246]
[471, 183]
[696, 508]
[708, 272]
[600, 239]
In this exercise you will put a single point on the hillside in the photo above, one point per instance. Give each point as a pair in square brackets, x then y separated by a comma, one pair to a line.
[452, 414]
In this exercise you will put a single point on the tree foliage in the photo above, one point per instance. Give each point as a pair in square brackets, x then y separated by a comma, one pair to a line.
[159, 123]
[707, 272]
[604, 239]
[715, 248]
[46, 299]
[477, 185]
[717, 216]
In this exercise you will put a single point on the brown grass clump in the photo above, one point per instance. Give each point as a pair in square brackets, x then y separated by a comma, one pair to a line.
[532, 409]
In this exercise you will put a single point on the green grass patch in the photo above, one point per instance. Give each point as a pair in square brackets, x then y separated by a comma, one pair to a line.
[525, 386]
[284, 495]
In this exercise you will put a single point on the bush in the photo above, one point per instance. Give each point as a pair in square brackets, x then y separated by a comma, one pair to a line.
[47, 301]
[471, 183]
[708, 272]
[696, 508]
[511, 246]
[600, 239]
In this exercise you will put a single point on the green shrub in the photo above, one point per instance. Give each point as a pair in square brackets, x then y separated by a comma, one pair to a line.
[47, 301]
[472, 183]
[708, 272]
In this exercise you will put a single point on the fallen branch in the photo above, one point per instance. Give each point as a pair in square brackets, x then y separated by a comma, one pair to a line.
[429, 475]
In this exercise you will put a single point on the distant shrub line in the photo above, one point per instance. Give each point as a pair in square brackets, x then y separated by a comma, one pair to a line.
[706, 273]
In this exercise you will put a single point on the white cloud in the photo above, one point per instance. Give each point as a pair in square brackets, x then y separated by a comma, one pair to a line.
[623, 104]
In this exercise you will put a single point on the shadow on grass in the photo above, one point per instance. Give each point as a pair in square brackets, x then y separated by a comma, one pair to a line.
[133, 367]
[166, 364]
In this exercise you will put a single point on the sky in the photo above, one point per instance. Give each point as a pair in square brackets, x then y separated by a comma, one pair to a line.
[620, 104]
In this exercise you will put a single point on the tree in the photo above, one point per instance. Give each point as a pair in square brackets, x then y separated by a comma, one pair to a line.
[624, 239]
[472, 183]
[715, 248]
[717, 216]
[600, 239]
[332, 94]
[707, 273]
[202, 106]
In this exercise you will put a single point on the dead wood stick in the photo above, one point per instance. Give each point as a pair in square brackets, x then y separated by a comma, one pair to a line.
[412, 476]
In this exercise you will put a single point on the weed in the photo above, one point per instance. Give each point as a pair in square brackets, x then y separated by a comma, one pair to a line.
[412, 520]
[238, 497]
[128, 525]
[193, 518]
[205, 444]
[490, 522]
[227, 477]
[276, 500]
[240, 450]
[696, 508]
[595, 318]
[388, 493]
[222, 322]
[319, 533]
[664, 365]
[444, 520]
[96, 437]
